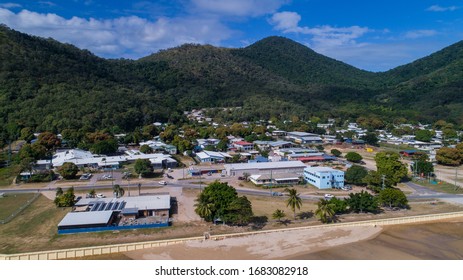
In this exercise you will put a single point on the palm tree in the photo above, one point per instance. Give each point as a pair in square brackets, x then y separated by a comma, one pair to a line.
[293, 201]
[325, 210]
[118, 191]
[278, 214]
[204, 210]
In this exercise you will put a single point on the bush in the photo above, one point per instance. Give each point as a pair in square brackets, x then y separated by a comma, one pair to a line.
[353, 157]
[336, 152]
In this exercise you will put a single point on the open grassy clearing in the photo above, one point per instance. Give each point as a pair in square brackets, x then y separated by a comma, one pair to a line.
[441, 186]
[12, 202]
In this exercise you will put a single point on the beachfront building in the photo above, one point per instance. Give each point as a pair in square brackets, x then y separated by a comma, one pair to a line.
[261, 168]
[324, 177]
[102, 214]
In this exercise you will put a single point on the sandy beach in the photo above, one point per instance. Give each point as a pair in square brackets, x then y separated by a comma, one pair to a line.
[278, 245]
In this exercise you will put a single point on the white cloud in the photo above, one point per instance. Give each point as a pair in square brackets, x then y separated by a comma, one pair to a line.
[10, 5]
[238, 7]
[437, 8]
[130, 37]
[415, 34]
[322, 36]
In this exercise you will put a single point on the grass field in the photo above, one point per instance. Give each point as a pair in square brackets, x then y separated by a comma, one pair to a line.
[442, 186]
[12, 202]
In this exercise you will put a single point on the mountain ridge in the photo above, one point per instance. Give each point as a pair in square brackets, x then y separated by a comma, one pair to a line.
[48, 85]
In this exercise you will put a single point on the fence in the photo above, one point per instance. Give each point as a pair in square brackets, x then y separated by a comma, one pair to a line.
[119, 248]
[20, 209]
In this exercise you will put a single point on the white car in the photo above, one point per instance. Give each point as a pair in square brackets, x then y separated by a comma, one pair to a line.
[162, 183]
[328, 196]
[100, 195]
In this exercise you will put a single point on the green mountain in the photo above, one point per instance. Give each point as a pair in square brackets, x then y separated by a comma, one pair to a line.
[47, 85]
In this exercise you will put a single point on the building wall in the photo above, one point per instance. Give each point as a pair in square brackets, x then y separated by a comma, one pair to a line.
[324, 179]
[255, 171]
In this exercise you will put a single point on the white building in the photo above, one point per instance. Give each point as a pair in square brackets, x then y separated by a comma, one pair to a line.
[210, 156]
[260, 168]
[324, 177]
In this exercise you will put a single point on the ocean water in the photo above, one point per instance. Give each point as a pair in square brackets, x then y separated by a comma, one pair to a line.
[430, 241]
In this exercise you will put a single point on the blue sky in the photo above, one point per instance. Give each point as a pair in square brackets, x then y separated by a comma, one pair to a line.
[371, 35]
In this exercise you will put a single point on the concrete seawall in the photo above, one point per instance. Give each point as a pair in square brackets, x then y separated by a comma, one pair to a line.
[119, 248]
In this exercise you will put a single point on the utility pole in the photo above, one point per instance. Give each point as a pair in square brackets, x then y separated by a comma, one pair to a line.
[456, 176]
[383, 177]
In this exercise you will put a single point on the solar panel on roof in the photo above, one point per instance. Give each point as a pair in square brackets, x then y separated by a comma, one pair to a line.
[108, 207]
[102, 206]
[122, 205]
[95, 207]
[115, 205]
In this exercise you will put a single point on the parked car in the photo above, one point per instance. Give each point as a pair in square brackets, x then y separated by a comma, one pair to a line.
[277, 194]
[85, 176]
[328, 196]
[162, 183]
[347, 188]
[100, 195]
[106, 177]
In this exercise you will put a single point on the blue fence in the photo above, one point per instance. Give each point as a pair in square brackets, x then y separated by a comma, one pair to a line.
[111, 228]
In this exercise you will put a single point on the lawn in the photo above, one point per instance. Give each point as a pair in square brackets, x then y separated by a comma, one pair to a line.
[12, 202]
[442, 186]
[7, 174]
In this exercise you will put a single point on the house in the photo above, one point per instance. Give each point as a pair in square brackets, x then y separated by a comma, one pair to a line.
[258, 168]
[272, 145]
[102, 214]
[212, 157]
[243, 146]
[159, 146]
[324, 177]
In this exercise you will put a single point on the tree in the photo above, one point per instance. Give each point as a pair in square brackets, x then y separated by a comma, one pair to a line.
[59, 191]
[325, 210]
[356, 175]
[374, 180]
[278, 214]
[339, 205]
[68, 170]
[222, 145]
[362, 202]
[392, 197]
[104, 147]
[66, 199]
[92, 193]
[424, 135]
[353, 157]
[118, 191]
[220, 201]
[27, 134]
[448, 156]
[293, 201]
[388, 164]
[370, 138]
[422, 167]
[143, 167]
[239, 211]
[336, 152]
[146, 149]
[49, 140]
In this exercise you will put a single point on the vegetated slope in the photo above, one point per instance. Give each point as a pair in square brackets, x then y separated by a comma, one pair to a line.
[429, 88]
[302, 65]
[48, 85]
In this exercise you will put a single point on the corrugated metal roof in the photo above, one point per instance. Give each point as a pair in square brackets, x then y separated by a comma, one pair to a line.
[85, 218]
[266, 165]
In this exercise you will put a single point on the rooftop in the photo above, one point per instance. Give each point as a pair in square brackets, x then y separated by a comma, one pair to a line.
[266, 165]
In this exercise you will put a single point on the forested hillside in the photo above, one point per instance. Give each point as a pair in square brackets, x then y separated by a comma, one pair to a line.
[47, 85]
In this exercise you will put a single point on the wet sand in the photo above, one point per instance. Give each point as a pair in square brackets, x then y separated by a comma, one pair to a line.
[432, 241]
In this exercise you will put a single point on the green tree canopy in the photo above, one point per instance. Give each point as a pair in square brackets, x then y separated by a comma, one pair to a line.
[68, 170]
[388, 163]
[392, 197]
[220, 201]
[356, 175]
[336, 152]
[278, 214]
[325, 210]
[353, 157]
[370, 138]
[146, 149]
[362, 202]
[449, 156]
[66, 199]
[424, 135]
[143, 167]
